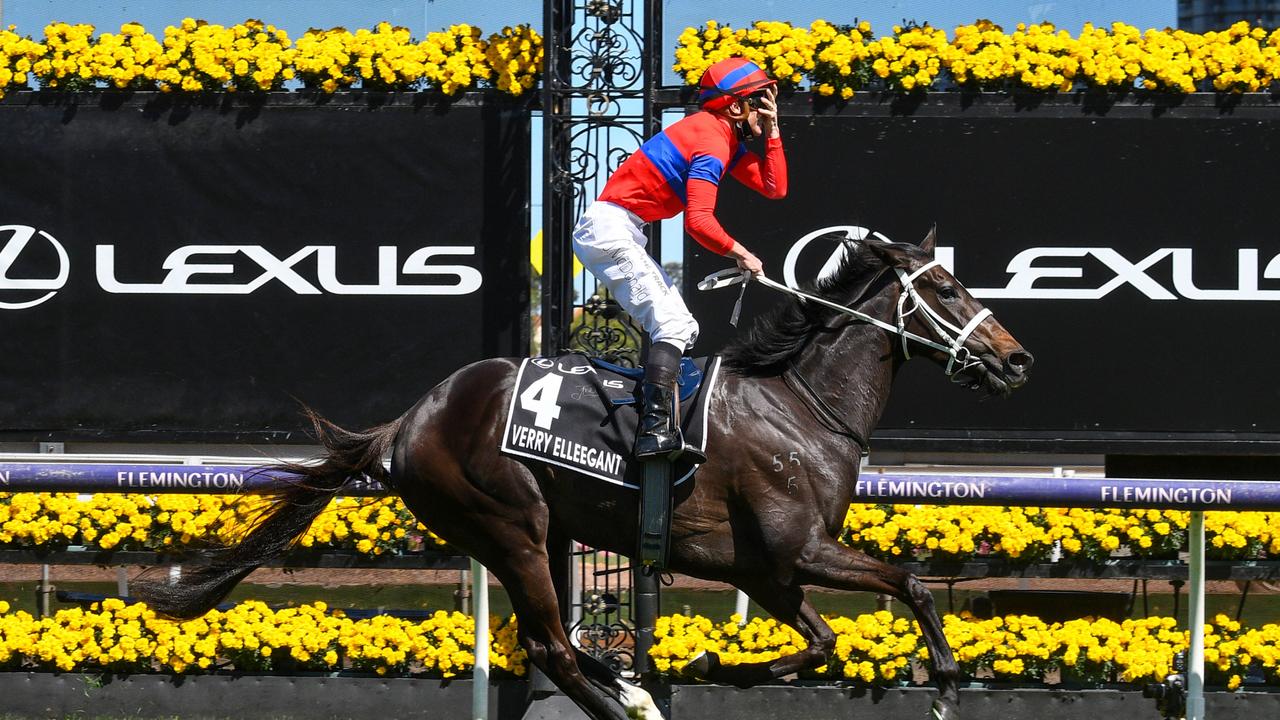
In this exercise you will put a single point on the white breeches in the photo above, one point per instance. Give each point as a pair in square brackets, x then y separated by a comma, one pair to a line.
[610, 242]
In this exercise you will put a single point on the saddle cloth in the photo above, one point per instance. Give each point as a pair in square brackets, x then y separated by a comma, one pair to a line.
[580, 414]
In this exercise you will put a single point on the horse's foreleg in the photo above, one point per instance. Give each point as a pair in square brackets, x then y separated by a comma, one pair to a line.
[787, 604]
[838, 567]
[528, 584]
[637, 701]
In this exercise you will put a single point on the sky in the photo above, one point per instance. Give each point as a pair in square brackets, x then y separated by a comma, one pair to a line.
[425, 15]
[422, 16]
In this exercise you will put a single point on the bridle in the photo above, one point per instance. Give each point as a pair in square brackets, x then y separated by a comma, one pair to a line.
[909, 302]
[953, 337]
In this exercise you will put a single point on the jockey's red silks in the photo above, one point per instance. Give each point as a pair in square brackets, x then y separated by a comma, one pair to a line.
[681, 168]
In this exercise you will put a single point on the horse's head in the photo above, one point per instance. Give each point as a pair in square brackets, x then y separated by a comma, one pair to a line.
[962, 335]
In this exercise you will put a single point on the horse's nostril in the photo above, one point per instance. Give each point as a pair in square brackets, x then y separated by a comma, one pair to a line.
[1019, 361]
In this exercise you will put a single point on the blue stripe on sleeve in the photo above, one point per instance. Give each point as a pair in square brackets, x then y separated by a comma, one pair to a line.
[707, 167]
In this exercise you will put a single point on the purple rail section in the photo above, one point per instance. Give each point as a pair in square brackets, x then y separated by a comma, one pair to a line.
[152, 479]
[1084, 492]
[1021, 490]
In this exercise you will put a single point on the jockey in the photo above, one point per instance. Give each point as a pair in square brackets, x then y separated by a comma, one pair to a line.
[680, 169]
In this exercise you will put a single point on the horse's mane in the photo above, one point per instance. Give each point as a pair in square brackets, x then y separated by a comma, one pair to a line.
[780, 334]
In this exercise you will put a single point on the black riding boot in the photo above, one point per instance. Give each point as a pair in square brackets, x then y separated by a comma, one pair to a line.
[658, 435]
[659, 432]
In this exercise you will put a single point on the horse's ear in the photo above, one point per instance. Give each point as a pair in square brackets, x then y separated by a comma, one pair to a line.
[890, 253]
[930, 240]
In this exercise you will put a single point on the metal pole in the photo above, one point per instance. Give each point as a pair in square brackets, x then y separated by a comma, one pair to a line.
[557, 195]
[480, 677]
[43, 592]
[645, 585]
[1195, 618]
[462, 596]
[652, 64]
[577, 586]
[740, 608]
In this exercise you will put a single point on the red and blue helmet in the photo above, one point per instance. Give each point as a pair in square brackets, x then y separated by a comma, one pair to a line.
[728, 80]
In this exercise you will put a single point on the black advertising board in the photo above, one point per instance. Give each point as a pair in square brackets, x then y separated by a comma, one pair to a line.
[182, 271]
[1132, 249]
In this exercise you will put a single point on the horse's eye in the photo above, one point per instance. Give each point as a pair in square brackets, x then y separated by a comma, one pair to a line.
[946, 292]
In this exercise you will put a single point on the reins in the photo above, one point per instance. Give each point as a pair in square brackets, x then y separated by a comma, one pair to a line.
[952, 336]
[824, 412]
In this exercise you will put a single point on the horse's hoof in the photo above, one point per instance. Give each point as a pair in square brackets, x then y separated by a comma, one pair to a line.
[944, 710]
[702, 665]
[638, 702]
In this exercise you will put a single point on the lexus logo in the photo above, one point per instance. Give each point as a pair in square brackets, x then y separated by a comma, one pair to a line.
[190, 270]
[851, 232]
[1079, 273]
[17, 293]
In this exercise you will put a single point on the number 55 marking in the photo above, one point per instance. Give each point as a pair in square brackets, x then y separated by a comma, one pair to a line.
[793, 458]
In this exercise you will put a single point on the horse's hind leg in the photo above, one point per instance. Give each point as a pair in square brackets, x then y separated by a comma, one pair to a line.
[835, 566]
[787, 604]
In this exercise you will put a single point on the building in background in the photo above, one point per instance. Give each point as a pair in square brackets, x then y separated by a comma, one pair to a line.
[1204, 15]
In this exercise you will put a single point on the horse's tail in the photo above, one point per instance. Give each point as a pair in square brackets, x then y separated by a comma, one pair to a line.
[348, 455]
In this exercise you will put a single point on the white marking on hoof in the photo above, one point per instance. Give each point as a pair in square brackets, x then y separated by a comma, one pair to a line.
[638, 702]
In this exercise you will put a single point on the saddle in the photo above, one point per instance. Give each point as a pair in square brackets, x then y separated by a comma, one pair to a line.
[689, 382]
[581, 413]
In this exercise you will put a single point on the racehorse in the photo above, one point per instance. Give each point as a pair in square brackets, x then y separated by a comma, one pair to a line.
[800, 394]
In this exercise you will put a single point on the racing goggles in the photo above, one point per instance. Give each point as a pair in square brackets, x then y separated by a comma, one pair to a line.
[755, 100]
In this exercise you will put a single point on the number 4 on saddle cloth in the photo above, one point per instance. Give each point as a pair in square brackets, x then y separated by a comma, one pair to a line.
[581, 414]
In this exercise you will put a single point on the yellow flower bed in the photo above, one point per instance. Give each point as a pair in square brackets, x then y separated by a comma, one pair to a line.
[878, 648]
[839, 59]
[115, 637]
[17, 56]
[200, 56]
[871, 648]
[197, 56]
[1028, 534]
[874, 648]
[112, 521]
[387, 58]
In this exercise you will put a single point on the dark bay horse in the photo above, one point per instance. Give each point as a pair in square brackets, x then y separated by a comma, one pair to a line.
[801, 393]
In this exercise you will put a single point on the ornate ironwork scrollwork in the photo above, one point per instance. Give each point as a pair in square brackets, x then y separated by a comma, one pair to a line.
[611, 643]
[606, 49]
[601, 621]
[606, 332]
[608, 11]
